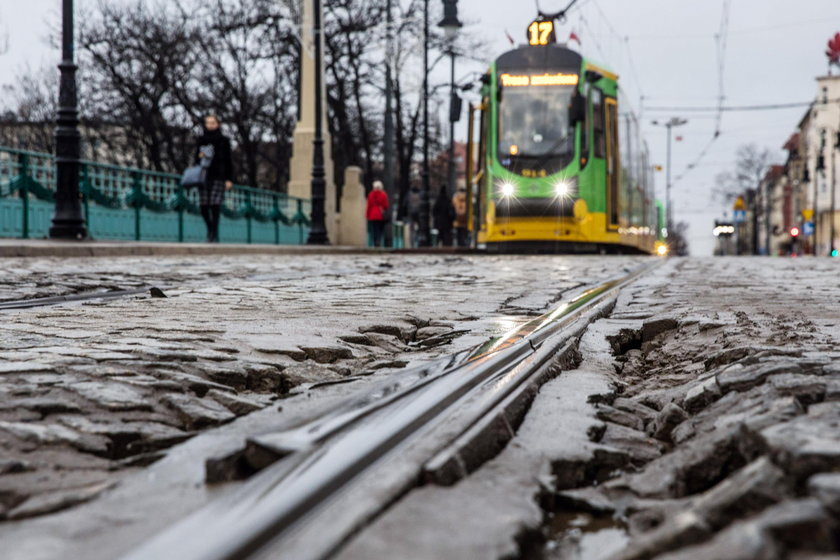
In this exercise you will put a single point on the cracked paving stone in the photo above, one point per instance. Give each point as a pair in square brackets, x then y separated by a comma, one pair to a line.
[113, 396]
[127, 438]
[54, 434]
[198, 413]
[237, 404]
[24, 367]
[807, 444]
[57, 501]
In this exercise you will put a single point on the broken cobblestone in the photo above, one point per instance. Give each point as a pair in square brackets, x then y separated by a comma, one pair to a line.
[133, 376]
[196, 413]
[753, 428]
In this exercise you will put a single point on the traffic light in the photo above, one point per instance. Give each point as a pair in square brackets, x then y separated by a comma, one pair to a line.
[794, 232]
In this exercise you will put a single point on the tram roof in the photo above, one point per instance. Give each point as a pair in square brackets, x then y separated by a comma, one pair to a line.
[552, 56]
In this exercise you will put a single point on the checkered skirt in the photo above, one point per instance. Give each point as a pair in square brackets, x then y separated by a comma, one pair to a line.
[212, 194]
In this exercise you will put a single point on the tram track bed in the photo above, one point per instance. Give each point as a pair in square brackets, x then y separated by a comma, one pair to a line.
[696, 418]
[700, 423]
[130, 378]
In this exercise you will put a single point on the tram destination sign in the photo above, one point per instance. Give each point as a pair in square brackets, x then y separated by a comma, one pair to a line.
[526, 80]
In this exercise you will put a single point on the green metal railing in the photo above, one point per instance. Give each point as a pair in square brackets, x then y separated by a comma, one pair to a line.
[122, 203]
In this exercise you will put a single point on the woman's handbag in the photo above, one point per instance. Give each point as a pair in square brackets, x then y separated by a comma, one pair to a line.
[193, 177]
[196, 176]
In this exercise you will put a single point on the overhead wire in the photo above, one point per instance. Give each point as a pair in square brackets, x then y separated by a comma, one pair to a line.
[772, 107]
[628, 51]
[721, 40]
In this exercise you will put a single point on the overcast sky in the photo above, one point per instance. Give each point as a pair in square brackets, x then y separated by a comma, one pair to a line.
[664, 50]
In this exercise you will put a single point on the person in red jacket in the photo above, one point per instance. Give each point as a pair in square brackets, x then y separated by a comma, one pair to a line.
[377, 211]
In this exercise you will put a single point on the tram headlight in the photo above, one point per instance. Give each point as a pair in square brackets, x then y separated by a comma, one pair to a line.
[507, 189]
[662, 250]
[562, 188]
[566, 188]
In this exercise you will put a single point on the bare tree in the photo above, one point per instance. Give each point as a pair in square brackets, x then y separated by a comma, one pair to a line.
[32, 101]
[139, 60]
[247, 57]
[751, 163]
[150, 69]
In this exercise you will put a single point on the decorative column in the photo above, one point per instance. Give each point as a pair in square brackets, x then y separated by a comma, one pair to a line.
[300, 166]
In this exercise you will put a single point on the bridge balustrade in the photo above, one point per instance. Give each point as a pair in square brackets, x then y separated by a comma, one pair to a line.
[121, 203]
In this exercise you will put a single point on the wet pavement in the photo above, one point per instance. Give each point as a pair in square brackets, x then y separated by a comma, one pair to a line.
[95, 391]
[701, 422]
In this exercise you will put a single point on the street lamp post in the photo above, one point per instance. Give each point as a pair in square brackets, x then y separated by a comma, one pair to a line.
[834, 149]
[450, 25]
[67, 222]
[424, 234]
[388, 140]
[673, 122]
[318, 228]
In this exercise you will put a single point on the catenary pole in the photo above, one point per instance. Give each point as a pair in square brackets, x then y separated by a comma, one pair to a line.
[318, 228]
[424, 235]
[388, 148]
[833, 195]
[450, 172]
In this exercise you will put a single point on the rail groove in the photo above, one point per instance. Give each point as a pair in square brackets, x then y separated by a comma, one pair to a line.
[340, 471]
[70, 298]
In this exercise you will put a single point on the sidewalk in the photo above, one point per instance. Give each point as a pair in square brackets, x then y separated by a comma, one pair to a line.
[52, 248]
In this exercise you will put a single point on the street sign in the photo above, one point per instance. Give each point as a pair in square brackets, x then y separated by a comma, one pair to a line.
[740, 204]
[807, 228]
[807, 214]
[739, 216]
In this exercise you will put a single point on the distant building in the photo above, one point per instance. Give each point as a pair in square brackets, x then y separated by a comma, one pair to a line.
[822, 164]
[769, 214]
[799, 196]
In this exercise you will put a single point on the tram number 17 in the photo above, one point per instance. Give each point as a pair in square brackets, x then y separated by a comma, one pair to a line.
[540, 33]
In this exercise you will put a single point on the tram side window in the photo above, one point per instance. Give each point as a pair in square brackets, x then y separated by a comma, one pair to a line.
[598, 123]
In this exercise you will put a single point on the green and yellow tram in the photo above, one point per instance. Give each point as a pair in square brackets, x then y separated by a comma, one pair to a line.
[548, 173]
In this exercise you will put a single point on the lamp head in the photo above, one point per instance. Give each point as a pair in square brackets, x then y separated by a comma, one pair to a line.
[450, 23]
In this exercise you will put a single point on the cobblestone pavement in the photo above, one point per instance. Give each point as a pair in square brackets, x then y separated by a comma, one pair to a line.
[703, 422]
[727, 409]
[93, 391]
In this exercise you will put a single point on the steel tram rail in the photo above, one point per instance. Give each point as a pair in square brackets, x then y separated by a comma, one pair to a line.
[343, 464]
[69, 298]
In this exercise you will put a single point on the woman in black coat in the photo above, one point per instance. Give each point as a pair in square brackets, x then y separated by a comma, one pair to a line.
[219, 174]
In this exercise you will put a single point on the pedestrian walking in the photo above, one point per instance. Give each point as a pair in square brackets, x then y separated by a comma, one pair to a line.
[215, 146]
[459, 202]
[444, 217]
[377, 212]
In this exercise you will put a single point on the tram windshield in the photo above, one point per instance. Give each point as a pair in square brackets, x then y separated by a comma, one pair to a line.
[534, 121]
